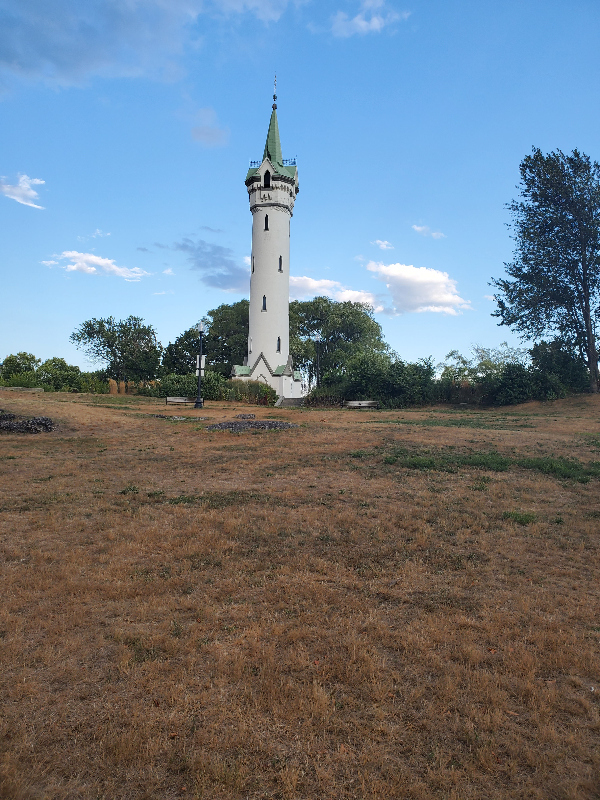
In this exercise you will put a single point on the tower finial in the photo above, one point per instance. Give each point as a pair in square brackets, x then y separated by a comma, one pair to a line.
[275, 93]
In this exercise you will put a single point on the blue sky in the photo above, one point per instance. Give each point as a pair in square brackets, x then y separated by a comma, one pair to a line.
[126, 130]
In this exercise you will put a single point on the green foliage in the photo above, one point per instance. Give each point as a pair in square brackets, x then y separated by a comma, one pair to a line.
[179, 357]
[19, 364]
[28, 380]
[128, 347]
[252, 392]
[58, 376]
[226, 337]
[554, 279]
[557, 370]
[94, 382]
[514, 385]
[344, 329]
[377, 376]
[521, 517]
[175, 385]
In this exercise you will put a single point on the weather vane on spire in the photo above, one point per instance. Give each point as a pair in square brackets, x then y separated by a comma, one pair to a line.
[275, 92]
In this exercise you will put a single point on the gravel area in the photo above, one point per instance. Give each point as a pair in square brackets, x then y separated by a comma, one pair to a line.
[10, 424]
[260, 424]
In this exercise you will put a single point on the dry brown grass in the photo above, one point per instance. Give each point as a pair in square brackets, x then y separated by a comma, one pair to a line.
[296, 614]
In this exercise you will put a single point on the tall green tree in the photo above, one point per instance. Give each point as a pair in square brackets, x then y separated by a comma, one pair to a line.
[128, 347]
[554, 280]
[19, 364]
[226, 338]
[179, 357]
[326, 334]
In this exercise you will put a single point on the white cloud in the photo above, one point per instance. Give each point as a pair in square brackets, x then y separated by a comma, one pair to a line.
[22, 191]
[419, 289]
[98, 233]
[383, 245]
[208, 132]
[247, 261]
[372, 18]
[425, 230]
[168, 271]
[159, 293]
[49, 263]
[94, 265]
[489, 297]
[303, 287]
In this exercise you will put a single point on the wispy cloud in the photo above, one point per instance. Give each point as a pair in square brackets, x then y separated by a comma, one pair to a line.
[425, 230]
[67, 41]
[372, 18]
[22, 191]
[210, 230]
[216, 265]
[143, 249]
[97, 234]
[303, 287]
[168, 271]
[383, 245]
[92, 264]
[208, 133]
[419, 289]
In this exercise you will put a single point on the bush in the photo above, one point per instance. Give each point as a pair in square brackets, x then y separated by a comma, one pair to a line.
[58, 376]
[375, 376]
[93, 382]
[513, 385]
[28, 380]
[20, 364]
[174, 385]
[324, 396]
[252, 392]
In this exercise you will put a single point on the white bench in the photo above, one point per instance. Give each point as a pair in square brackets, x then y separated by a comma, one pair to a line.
[182, 401]
[361, 404]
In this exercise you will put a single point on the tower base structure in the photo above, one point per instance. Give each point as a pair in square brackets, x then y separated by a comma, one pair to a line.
[286, 381]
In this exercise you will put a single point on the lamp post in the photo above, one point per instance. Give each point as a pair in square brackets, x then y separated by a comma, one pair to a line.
[317, 343]
[199, 401]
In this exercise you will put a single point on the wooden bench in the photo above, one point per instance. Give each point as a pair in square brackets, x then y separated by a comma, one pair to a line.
[181, 401]
[361, 404]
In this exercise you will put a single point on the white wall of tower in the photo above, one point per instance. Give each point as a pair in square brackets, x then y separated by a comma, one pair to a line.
[270, 267]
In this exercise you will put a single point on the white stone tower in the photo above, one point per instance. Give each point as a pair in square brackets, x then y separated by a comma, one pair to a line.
[272, 188]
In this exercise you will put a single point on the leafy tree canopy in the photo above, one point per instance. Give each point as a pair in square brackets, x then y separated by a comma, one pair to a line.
[129, 347]
[55, 372]
[18, 364]
[554, 280]
[343, 330]
[224, 342]
[227, 336]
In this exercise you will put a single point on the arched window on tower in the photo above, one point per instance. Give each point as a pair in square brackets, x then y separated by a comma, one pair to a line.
[267, 180]
[279, 344]
[264, 307]
[266, 222]
[280, 264]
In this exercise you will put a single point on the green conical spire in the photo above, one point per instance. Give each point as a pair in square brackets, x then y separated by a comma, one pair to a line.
[273, 145]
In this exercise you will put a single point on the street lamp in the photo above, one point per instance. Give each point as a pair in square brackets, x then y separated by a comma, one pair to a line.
[199, 368]
[317, 343]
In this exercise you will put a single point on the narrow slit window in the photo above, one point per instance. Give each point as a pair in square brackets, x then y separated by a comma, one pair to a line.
[264, 306]
[252, 263]
[267, 180]
[250, 348]
[279, 344]
[280, 264]
[266, 222]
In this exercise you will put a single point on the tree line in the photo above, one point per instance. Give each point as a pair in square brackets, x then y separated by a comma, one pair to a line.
[551, 297]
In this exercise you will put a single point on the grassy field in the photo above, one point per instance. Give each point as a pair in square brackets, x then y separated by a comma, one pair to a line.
[398, 604]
